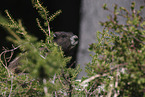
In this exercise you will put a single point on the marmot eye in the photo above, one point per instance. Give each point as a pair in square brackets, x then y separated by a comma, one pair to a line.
[63, 36]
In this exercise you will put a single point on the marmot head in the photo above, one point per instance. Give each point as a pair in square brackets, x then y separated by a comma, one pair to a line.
[67, 40]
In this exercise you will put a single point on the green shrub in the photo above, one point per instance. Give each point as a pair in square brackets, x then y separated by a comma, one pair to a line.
[118, 66]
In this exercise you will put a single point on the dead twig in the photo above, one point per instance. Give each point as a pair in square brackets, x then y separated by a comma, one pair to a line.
[104, 74]
[3, 53]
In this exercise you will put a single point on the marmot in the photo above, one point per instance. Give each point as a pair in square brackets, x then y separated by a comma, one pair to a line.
[67, 41]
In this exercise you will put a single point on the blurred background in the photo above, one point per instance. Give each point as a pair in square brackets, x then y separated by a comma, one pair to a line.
[81, 17]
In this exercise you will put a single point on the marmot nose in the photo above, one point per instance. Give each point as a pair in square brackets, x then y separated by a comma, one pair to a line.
[74, 40]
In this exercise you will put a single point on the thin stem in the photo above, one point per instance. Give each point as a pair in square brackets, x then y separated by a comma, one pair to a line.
[9, 16]
[39, 25]
[45, 88]
[48, 26]
[11, 85]
[3, 53]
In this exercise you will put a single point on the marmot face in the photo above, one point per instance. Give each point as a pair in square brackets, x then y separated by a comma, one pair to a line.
[67, 40]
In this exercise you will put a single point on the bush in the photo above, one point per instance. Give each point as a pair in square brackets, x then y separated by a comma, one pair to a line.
[118, 66]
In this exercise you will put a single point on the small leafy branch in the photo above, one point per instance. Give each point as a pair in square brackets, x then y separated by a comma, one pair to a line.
[44, 15]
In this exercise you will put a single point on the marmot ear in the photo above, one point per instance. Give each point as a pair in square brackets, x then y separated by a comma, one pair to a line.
[58, 33]
[54, 35]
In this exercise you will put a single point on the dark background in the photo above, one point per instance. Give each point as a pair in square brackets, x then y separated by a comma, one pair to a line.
[68, 20]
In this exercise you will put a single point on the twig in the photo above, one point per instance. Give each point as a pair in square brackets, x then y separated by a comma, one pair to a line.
[116, 83]
[13, 33]
[142, 36]
[91, 78]
[11, 85]
[39, 25]
[137, 39]
[61, 81]
[45, 88]
[3, 53]
[110, 91]
[54, 77]
[9, 16]
[45, 15]
[91, 88]
[69, 83]
[98, 75]
[10, 56]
